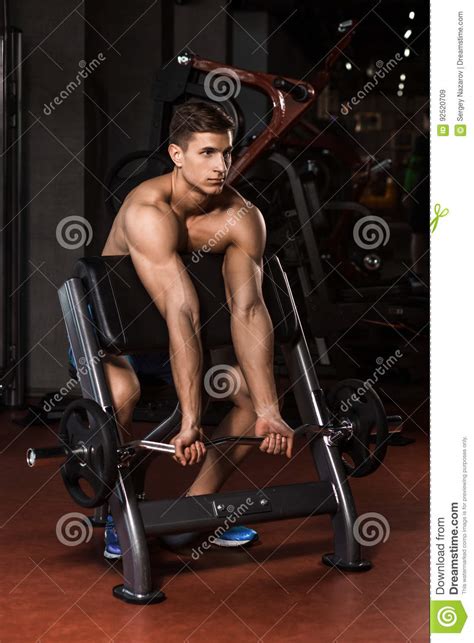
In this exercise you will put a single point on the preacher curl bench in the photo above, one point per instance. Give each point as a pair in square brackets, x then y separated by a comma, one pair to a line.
[106, 308]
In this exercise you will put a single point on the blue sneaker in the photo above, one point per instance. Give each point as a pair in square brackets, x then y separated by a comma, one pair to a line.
[112, 548]
[236, 536]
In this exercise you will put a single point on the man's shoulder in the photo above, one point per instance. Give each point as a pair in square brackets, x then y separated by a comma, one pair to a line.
[145, 213]
[154, 193]
[237, 205]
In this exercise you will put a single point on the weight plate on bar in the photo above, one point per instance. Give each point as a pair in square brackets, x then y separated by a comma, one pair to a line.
[356, 401]
[89, 435]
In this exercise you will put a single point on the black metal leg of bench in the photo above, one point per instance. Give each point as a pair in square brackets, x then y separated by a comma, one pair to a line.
[327, 459]
[137, 586]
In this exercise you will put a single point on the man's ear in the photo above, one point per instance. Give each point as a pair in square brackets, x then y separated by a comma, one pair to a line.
[176, 154]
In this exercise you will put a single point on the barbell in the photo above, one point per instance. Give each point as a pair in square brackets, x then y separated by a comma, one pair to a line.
[93, 456]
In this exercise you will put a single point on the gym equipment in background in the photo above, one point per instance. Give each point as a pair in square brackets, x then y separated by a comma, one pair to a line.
[190, 77]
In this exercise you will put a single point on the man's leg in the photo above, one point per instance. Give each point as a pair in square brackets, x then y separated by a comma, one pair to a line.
[220, 463]
[124, 389]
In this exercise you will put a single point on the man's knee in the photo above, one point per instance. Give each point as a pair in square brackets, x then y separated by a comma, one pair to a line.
[127, 393]
[243, 400]
[124, 387]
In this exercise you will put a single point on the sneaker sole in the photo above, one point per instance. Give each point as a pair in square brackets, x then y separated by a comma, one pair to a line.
[110, 556]
[233, 543]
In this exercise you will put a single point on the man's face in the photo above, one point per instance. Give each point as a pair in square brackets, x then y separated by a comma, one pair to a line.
[206, 161]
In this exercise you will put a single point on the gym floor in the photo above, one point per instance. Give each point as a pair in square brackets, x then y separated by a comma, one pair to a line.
[276, 590]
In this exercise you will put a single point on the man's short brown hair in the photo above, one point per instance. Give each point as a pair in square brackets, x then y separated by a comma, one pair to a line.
[198, 116]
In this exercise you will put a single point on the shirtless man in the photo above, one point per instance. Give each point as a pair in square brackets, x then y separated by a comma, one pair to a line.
[181, 212]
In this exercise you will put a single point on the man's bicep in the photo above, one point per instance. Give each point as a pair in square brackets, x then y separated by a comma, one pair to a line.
[152, 241]
[243, 262]
[243, 279]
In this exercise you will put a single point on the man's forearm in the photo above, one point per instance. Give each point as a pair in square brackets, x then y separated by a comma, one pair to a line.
[186, 364]
[252, 335]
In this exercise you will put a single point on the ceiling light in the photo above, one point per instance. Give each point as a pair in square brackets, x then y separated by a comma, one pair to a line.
[406, 52]
[402, 77]
[348, 66]
[411, 15]
[407, 33]
[401, 86]
[399, 93]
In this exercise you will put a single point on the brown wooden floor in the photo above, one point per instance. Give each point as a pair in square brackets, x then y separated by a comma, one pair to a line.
[277, 590]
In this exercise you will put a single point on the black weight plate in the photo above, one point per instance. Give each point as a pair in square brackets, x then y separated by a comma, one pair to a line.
[356, 401]
[86, 426]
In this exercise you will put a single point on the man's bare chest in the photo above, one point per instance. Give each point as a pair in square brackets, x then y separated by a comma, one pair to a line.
[209, 232]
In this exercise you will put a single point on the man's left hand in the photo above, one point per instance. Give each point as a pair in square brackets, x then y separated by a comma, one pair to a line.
[278, 436]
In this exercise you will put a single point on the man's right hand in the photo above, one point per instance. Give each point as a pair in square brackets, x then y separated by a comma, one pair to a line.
[189, 445]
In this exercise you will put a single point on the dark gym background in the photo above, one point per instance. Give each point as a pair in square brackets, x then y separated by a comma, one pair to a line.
[68, 153]
[59, 164]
